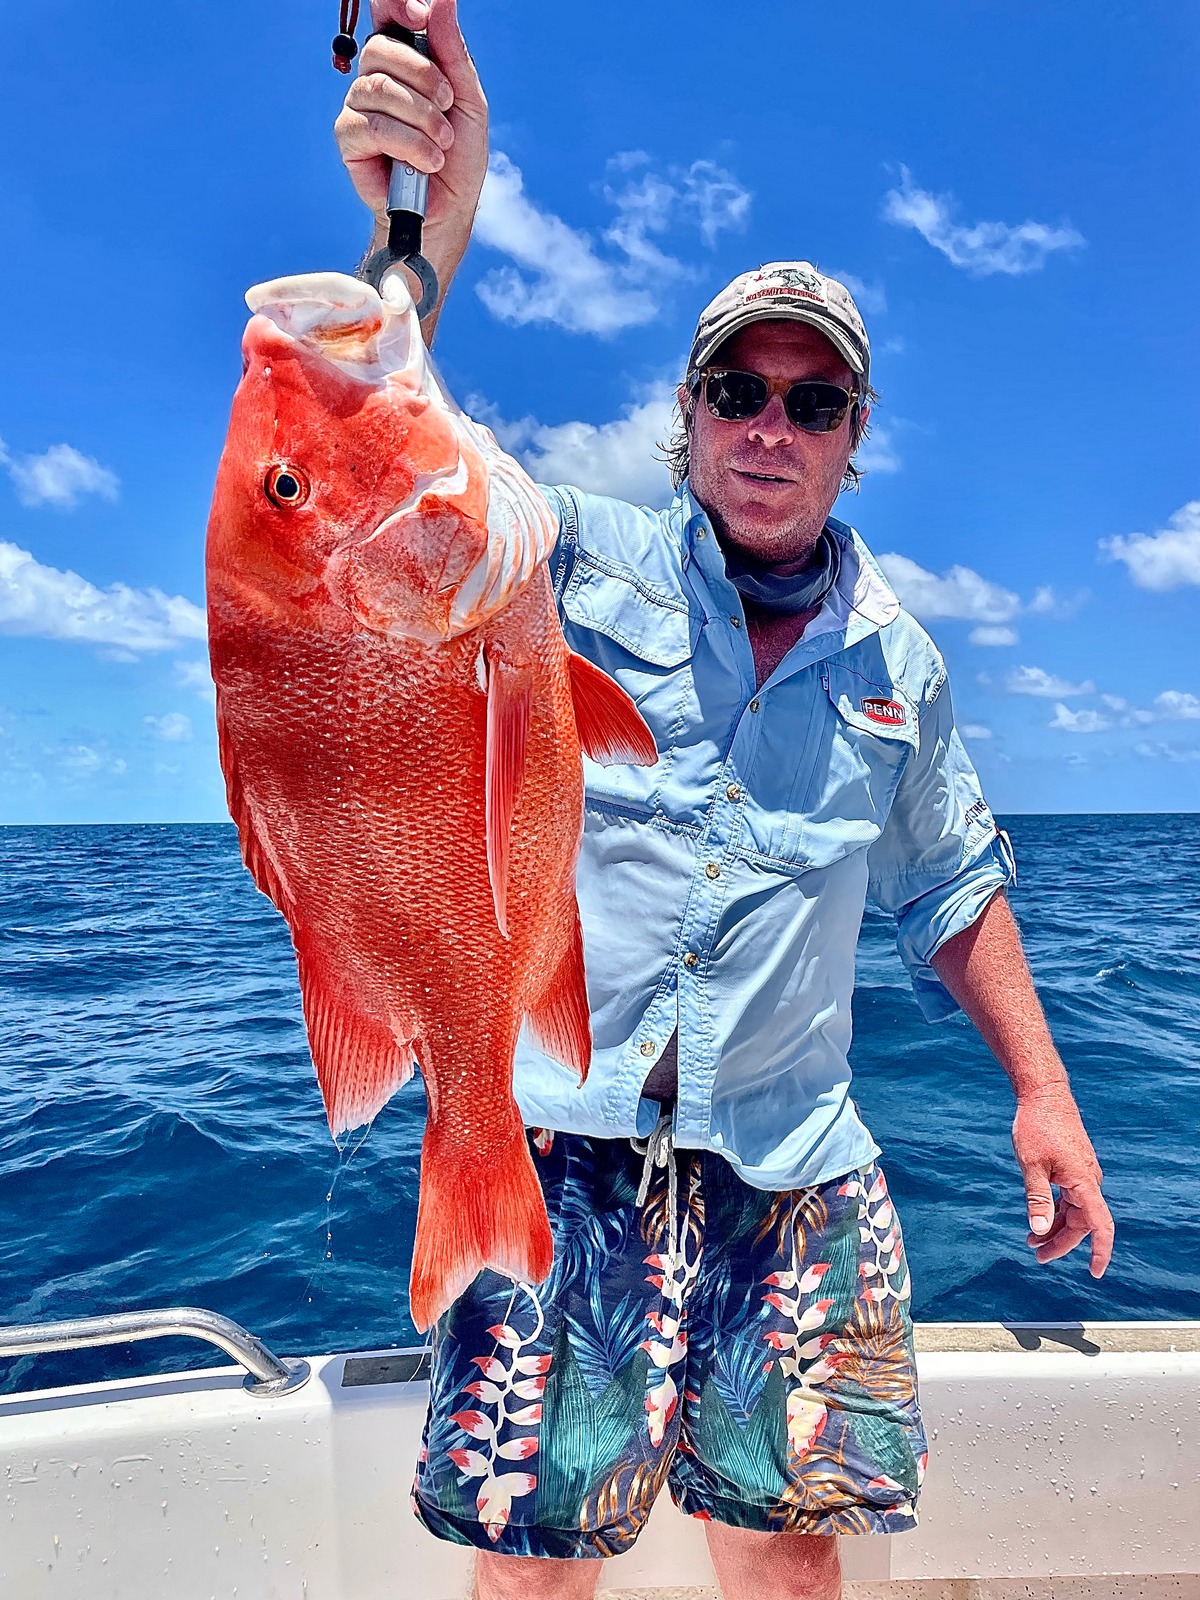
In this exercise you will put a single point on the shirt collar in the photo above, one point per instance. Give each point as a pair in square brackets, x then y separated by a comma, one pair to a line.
[861, 590]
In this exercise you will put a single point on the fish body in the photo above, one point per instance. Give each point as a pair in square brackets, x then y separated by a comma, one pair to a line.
[400, 725]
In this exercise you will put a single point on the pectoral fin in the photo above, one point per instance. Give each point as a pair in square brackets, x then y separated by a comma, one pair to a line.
[509, 695]
[610, 727]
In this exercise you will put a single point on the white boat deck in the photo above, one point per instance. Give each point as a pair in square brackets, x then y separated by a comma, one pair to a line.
[1065, 1463]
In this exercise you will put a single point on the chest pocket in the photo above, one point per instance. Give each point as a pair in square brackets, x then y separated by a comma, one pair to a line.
[862, 736]
[645, 638]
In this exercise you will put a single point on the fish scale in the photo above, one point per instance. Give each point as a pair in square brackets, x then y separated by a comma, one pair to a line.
[400, 725]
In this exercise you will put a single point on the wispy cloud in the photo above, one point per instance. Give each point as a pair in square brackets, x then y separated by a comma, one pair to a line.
[992, 635]
[981, 248]
[562, 276]
[60, 477]
[870, 298]
[975, 730]
[1037, 681]
[616, 457]
[878, 452]
[1168, 559]
[195, 675]
[1173, 705]
[51, 604]
[1159, 751]
[173, 726]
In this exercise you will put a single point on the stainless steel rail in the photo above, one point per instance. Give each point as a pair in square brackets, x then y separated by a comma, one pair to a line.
[267, 1374]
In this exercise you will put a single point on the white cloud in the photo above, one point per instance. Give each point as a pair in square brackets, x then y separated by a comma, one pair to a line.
[1167, 559]
[1078, 721]
[1167, 752]
[870, 298]
[172, 726]
[195, 675]
[561, 277]
[52, 604]
[878, 453]
[990, 634]
[1035, 680]
[616, 458]
[89, 761]
[60, 477]
[959, 593]
[975, 730]
[1173, 706]
[984, 247]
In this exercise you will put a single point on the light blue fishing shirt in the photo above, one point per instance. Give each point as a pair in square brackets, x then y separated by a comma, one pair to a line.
[721, 891]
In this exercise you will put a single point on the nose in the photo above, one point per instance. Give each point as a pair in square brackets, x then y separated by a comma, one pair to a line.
[772, 425]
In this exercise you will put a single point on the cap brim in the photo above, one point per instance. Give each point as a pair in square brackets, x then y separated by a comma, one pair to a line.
[837, 337]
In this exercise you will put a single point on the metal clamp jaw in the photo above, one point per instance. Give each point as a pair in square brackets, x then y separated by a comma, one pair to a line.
[407, 202]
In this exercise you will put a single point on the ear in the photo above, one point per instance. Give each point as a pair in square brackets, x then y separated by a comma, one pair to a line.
[860, 424]
[681, 395]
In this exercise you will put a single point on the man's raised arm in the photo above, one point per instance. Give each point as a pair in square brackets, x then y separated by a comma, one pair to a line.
[431, 114]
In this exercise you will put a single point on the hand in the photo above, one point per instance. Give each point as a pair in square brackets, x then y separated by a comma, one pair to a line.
[1052, 1148]
[431, 114]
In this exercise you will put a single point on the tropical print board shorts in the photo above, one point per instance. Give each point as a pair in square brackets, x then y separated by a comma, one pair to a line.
[754, 1353]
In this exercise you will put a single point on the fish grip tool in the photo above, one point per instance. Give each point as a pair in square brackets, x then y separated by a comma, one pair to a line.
[408, 189]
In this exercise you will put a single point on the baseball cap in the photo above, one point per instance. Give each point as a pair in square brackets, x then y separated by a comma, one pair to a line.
[791, 290]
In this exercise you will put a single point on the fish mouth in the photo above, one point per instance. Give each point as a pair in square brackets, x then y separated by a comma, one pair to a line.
[346, 322]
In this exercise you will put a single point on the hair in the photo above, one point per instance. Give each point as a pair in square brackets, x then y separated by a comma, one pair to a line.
[676, 452]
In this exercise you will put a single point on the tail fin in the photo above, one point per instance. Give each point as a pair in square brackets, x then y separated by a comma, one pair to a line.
[490, 1216]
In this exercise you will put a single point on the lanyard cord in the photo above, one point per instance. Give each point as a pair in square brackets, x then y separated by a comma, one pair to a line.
[345, 46]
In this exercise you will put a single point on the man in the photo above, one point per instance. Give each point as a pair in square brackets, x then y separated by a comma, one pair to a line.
[728, 1309]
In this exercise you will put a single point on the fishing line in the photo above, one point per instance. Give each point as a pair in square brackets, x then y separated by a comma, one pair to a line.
[346, 1154]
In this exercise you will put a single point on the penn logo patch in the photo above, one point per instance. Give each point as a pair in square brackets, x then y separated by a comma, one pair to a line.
[890, 712]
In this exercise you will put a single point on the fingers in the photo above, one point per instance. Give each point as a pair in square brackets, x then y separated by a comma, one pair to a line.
[395, 113]
[1039, 1199]
[1078, 1213]
[450, 52]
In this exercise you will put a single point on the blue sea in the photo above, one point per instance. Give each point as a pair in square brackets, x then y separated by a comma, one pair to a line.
[162, 1140]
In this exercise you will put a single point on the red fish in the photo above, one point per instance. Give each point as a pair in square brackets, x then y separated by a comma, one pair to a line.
[400, 725]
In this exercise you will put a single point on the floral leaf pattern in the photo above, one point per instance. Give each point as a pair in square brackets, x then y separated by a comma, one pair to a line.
[755, 1351]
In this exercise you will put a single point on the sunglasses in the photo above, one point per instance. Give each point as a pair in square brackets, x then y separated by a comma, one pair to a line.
[812, 405]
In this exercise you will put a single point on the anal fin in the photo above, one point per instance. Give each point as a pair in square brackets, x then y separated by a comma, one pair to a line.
[611, 728]
[360, 1064]
[561, 1020]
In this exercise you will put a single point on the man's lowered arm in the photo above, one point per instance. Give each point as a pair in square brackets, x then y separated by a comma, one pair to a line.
[985, 970]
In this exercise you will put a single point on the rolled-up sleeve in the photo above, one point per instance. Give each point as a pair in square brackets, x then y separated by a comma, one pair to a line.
[941, 857]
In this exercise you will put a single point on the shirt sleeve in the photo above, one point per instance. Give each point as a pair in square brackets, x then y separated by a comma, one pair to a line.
[562, 558]
[941, 856]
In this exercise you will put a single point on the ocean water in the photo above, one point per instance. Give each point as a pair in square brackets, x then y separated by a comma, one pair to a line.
[162, 1140]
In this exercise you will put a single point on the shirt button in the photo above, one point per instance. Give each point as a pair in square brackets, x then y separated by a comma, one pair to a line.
[754, 705]
[702, 533]
[691, 960]
[737, 621]
[647, 1047]
[712, 870]
[733, 792]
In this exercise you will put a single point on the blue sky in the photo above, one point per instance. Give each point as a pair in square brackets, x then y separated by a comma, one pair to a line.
[1013, 188]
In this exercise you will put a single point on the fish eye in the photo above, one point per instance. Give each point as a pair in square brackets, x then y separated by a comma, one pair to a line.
[286, 486]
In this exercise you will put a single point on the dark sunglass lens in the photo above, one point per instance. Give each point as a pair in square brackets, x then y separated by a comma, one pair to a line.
[816, 407]
[735, 396]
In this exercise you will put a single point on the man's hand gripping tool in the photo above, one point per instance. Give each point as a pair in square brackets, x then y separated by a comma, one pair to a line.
[408, 194]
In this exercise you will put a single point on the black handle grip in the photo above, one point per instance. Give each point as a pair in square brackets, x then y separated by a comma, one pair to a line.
[402, 35]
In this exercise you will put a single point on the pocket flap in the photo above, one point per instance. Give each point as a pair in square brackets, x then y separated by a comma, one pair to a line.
[652, 625]
[875, 708]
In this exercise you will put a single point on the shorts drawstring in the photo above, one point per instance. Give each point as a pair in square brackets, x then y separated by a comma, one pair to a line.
[659, 1150]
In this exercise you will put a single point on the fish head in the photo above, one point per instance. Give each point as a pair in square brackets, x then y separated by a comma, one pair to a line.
[352, 484]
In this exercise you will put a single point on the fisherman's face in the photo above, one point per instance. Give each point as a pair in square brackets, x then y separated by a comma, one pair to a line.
[767, 485]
